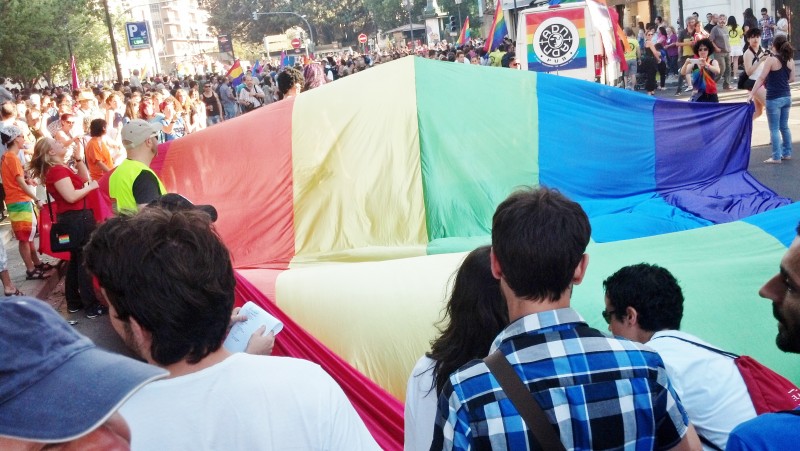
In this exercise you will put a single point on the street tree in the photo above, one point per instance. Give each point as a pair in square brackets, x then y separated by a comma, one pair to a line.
[39, 36]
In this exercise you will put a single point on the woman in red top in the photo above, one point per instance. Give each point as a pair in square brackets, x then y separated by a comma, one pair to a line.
[68, 190]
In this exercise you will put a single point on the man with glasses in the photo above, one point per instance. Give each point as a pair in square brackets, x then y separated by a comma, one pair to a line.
[767, 25]
[778, 431]
[598, 392]
[644, 303]
[213, 105]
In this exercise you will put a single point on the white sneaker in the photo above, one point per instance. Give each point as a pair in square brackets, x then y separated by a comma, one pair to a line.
[688, 88]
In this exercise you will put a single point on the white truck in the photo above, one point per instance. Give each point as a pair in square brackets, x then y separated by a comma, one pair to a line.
[576, 40]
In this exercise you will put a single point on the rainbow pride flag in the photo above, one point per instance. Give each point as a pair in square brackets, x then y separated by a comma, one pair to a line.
[498, 31]
[463, 37]
[236, 73]
[354, 230]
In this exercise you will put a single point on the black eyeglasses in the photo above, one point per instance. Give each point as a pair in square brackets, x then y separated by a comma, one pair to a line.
[607, 315]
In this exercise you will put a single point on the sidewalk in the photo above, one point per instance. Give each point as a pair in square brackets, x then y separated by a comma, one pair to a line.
[51, 290]
[38, 288]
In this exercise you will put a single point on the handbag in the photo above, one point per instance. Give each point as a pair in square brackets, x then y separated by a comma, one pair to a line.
[530, 410]
[743, 78]
[72, 229]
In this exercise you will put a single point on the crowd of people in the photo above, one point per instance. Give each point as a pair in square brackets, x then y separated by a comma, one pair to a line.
[646, 386]
[649, 386]
[661, 51]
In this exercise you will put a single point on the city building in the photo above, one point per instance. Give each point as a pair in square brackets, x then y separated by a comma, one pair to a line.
[182, 42]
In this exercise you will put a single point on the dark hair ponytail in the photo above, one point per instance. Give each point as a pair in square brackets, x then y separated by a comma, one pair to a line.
[784, 48]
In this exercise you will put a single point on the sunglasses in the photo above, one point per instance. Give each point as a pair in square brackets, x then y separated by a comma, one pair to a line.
[607, 315]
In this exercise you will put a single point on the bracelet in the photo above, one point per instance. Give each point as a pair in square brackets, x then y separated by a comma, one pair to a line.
[77, 160]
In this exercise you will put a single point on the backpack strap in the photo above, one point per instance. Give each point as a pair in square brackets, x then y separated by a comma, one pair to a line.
[706, 347]
[519, 395]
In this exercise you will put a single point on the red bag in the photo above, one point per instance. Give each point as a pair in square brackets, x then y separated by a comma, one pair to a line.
[769, 391]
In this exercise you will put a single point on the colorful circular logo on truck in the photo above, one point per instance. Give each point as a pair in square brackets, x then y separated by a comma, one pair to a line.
[556, 41]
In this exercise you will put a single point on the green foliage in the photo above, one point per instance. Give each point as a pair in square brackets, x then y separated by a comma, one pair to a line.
[330, 20]
[36, 44]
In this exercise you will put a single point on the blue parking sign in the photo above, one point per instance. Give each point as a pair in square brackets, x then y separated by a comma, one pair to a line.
[138, 35]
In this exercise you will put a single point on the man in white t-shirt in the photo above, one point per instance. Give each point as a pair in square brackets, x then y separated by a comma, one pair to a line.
[169, 283]
[644, 303]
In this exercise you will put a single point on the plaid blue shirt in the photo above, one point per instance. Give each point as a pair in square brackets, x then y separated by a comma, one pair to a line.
[601, 392]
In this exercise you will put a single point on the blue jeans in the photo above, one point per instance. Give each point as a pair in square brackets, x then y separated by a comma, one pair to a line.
[778, 119]
[230, 110]
[211, 120]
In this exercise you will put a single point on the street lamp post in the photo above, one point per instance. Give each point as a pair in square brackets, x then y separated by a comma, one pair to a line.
[409, 5]
[303, 18]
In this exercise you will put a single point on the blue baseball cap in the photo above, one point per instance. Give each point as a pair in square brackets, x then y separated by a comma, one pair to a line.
[55, 384]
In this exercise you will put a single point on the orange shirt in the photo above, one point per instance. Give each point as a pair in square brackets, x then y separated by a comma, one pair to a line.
[10, 169]
[96, 150]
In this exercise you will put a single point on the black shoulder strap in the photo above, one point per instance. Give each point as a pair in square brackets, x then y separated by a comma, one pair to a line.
[708, 348]
[530, 410]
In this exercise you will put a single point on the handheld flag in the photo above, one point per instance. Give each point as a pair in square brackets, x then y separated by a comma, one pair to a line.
[498, 30]
[236, 73]
[464, 36]
[256, 68]
[76, 84]
[284, 59]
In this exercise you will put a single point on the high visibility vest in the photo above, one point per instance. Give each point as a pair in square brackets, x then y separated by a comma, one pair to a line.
[120, 185]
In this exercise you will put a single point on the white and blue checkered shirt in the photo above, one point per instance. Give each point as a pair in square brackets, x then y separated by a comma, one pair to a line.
[600, 392]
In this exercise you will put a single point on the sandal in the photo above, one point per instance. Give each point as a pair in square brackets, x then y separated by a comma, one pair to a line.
[36, 274]
[15, 293]
[44, 266]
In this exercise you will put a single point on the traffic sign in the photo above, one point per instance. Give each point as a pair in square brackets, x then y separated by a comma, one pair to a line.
[138, 36]
[295, 43]
[362, 38]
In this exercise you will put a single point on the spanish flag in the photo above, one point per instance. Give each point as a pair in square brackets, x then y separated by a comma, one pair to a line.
[236, 73]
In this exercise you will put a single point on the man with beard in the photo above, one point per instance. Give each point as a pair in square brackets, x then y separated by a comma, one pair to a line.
[777, 431]
[132, 184]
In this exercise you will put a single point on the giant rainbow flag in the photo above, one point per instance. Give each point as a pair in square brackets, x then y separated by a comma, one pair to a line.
[349, 219]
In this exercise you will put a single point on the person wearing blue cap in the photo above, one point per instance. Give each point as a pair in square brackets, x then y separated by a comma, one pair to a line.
[57, 387]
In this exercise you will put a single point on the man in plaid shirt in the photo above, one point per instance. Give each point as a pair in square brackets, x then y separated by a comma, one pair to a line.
[598, 392]
[767, 25]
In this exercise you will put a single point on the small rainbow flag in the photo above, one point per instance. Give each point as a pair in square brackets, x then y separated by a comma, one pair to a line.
[236, 73]
[499, 29]
[63, 239]
[464, 36]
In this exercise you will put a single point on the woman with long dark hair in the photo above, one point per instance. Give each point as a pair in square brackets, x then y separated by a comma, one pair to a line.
[735, 37]
[777, 74]
[475, 314]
